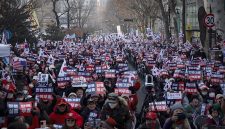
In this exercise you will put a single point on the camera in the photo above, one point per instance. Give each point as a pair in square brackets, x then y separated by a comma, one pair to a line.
[149, 83]
[181, 116]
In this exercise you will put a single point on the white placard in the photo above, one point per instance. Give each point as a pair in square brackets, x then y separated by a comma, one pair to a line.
[174, 95]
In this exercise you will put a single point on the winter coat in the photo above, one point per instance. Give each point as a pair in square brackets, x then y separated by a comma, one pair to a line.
[59, 118]
[120, 114]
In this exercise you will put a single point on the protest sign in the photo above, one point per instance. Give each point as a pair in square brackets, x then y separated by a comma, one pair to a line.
[174, 95]
[121, 91]
[96, 88]
[74, 102]
[158, 106]
[191, 88]
[19, 108]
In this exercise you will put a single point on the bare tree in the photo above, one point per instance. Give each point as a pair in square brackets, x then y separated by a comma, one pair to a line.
[54, 2]
[165, 16]
[78, 12]
[148, 11]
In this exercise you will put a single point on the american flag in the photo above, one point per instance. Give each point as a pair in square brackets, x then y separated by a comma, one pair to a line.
[19, 63]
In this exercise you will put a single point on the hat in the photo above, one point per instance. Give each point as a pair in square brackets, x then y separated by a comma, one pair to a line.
[176, 106]
[61, 101]
[70, 116]
[72, 94]
[35, 77]
[202, 86]
[151, 115]
[112, 97]
[219, 96]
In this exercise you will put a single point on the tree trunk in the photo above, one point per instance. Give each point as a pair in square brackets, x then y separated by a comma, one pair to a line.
[68, 14]
[55, 13]
[68, 19]
[176, 27]
[183, 21]
[165, 20]
[201, 16]
[173, 5]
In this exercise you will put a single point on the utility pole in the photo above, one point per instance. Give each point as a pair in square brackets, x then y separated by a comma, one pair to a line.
[184, 21]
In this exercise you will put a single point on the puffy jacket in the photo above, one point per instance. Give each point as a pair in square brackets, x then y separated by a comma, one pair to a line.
[59, 118]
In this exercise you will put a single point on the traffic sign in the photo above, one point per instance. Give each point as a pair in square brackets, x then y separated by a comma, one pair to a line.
[209, 20]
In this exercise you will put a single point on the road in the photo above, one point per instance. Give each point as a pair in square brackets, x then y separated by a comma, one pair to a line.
[140, 93]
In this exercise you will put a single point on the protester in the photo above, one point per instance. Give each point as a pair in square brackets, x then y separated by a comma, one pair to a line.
[61, 110]
[99, 84]
[70, 122]
[151, 121]
[116, 108]
[178, 118]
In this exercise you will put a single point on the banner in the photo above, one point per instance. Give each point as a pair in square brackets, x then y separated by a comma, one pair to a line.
[43, 78]
[195, 75]
[98, 69]
[151, 63]
[4, 50]
[110, 73]
[121, 91]
[174, 95]
[74, 102]
[123, 85]
[44, 93]
[191, 88]
[13, 108]
[222, 69]
[172, 66]
[179, 73]
[158, 106]
[96, 88]
[217, 78]
[79, 81]
[19, 108]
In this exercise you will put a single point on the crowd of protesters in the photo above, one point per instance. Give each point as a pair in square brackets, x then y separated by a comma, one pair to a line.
[91, 86]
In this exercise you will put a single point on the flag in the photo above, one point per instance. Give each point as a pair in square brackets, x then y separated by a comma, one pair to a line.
[26, 47]
[19, 63]
[4, 40]
[42, 53]
[63, 68]
[50, 60]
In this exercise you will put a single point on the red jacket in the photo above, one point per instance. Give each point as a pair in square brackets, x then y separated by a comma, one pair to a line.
[56, 118]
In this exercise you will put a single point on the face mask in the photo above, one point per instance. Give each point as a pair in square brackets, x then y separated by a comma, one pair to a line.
[31, 85]
[10, 96]
[25, 92]
[112, 105]
[212, 95]
[204, 93]
[19, 99]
